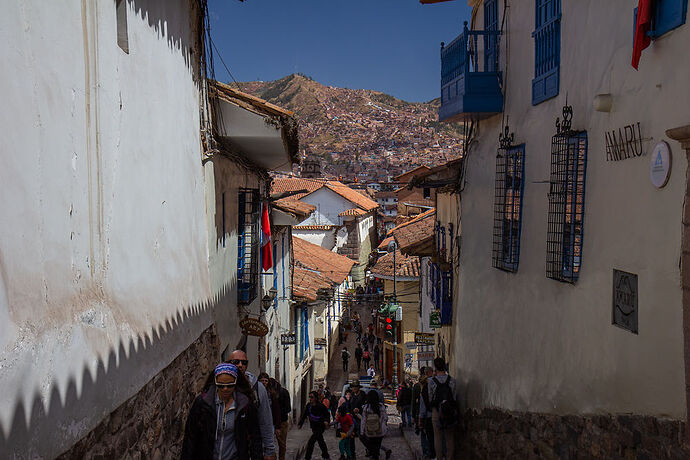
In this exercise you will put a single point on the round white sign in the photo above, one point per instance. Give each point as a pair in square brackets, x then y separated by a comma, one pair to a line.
[660, 164]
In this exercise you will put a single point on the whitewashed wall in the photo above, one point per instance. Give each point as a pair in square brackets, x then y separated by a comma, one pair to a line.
[525, 342]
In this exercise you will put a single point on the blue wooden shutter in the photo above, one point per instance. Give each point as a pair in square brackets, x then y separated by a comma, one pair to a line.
[547, 50]
[491, 23]
[447, 297]
[668, 14]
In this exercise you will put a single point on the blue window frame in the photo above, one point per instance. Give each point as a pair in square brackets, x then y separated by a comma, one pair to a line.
[668, 14]
[304, 345]
[446, 297]
[547, 50]
[566, 206]
[296, 317]
[509, 189]
[275, 274]
[491, 23]
[247, 245]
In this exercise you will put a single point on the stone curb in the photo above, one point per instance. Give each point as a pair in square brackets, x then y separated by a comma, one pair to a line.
[413, 444]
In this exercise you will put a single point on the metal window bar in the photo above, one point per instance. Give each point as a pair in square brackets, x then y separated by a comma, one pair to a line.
[566, 206]
[461, 56]
[248, 245]
[509, 190]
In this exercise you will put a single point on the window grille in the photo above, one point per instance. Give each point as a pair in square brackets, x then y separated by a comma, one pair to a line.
[248, 245]
[509, 188]
[547, 50]
[491, 23]
[442, 237]
[566, 201]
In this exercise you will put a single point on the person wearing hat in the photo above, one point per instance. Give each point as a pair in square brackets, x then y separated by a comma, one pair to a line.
[222, 422]
[358, 399]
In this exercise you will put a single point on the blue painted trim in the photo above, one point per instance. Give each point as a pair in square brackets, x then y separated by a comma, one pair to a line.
[668, 15]
[547, 50]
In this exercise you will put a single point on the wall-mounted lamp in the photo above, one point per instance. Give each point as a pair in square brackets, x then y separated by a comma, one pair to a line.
[268, 299]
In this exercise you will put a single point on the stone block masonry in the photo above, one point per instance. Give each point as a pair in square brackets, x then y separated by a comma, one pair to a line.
[150, 425]
[492, 433]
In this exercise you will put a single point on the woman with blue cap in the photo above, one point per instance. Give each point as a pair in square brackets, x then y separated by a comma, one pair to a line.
[222, 423]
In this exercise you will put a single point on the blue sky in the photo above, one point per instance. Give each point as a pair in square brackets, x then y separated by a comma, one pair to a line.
[386, 45]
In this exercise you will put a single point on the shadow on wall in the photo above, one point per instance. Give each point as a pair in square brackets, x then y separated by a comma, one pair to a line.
[47, 429]
[182, 28]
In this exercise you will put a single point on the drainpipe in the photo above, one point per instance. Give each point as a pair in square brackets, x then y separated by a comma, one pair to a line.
[682, 135]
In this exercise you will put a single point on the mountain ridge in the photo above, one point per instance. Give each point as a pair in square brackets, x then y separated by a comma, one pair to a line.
[358, 132]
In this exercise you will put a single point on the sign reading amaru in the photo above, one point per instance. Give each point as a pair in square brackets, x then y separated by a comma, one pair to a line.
[624, 143]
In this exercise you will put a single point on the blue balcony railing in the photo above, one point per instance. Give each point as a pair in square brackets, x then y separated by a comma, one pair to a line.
[470, 76]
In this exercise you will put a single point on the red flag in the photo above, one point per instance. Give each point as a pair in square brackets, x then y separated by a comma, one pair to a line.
[642, 26]
[266, 252]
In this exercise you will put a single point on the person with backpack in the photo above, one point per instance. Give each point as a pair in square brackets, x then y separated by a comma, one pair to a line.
[319, 419]
[374, 424]
[444, 410]
[426, 432]
[404, 404]
[345, 355]
[358, 356]
[285, 409]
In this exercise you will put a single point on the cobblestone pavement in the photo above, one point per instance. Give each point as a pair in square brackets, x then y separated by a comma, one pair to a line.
[394, 440]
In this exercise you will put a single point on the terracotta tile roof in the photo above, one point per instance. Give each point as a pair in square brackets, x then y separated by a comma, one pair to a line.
[353, 212]
[407, 176]
[314, 227]
[289, 184]
[384, 243]
[386, 194]
[306, 283]
[298, 208]
[330, 264]
[407, 266]
[415, 231]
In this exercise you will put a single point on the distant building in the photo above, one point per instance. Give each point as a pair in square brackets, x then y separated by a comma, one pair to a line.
[311, 168]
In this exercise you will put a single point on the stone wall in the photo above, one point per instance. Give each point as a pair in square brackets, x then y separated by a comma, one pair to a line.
[491, 433]
[151, 423]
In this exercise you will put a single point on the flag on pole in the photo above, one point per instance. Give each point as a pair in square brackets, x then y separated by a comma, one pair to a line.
[642, 26]
[266, 252]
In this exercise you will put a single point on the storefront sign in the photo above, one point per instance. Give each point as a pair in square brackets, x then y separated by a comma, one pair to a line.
[660, 165]
[424, 338]
[624, 143]
[398, 314]
[320, 341]
[251, 326]
[410, 345]
[318, 347]
[625, 300]
[435, 319]
[425, 356]
[288, 339]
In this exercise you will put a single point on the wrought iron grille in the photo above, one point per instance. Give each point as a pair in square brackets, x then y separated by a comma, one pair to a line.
[248, 245]
[566, 201]
[509, 188]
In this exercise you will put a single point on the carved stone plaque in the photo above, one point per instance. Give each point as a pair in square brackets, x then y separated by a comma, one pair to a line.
[625, 300]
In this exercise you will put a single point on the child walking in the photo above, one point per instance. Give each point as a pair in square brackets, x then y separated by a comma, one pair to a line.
[347, 426]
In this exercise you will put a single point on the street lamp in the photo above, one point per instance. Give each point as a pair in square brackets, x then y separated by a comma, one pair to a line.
[393, 247]
[268, 299]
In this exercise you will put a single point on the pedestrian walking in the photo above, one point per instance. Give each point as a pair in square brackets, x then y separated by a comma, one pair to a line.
[374, 424]
[273, 397]
[358, 356]
[377, 355]
[285, 409]
[444, 410]
[319, 419]
[345, 355]
[346, 427]
[222, 422]
[366, 357]
[260, 397]
[404, 404]
[357, 401]
[425, 426]
[416, 389]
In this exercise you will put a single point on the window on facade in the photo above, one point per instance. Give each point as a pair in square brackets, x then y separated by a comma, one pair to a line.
[446, 297]
[491, 23]
[566, 206]
[427, 192]
[668, 14]
[121, 19]
[510, 171]
[248, 245]
[547, 50]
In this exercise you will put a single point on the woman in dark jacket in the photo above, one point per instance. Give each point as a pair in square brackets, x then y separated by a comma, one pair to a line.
[223, 423]
[319, 419]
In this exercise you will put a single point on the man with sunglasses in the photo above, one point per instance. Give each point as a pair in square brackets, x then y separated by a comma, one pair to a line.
[239, 359]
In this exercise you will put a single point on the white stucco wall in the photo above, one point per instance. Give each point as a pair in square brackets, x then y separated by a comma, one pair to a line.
[104, 269]
[324, 238]
[328, 205]
[525, 342]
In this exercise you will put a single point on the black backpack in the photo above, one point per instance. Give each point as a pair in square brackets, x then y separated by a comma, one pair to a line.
[444, 399]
